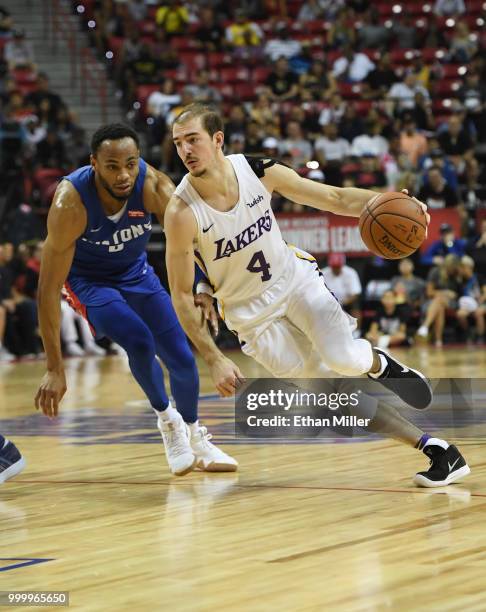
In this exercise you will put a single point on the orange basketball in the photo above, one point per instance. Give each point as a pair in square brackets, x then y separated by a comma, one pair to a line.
[392, 225]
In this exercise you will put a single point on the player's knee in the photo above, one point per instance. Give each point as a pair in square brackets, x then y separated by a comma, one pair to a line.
[354, 359]
[141, 346]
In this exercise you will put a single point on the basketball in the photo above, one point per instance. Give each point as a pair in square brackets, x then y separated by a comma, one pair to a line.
[392, 225]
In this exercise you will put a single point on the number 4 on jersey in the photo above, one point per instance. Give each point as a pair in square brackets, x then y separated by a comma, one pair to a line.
[258, 264]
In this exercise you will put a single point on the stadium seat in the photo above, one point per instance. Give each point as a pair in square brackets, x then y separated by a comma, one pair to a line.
[234, 74]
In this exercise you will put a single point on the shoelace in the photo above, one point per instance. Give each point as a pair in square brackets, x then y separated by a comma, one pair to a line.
[205, 436]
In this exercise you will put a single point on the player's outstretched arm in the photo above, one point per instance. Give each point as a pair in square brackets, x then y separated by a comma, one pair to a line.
[65, 223]
[180, 233]
[346, 201]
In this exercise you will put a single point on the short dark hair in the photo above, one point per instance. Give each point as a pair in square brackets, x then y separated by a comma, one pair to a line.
[210, 118]
[112, 131]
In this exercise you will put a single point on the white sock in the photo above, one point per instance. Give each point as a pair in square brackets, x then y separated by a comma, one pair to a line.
[169, 414]
[436, 442]
[194, 428]
[383, 367]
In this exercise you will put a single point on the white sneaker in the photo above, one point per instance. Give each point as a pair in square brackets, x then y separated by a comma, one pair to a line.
[74, 350]
[6, 356]
[209, 457]
[178, 451]
[93, 349]
[423, 331]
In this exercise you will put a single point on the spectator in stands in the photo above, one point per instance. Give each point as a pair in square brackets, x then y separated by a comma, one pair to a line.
[372, 34]
[456, 142]
[42, 93]
[210, 34]
[334, 112]
[138, 10]
[146, 68]
[6, 22]
[262, 111]
[412, 142]
[422, 113]
[173, 18]
[389, 326]
[473, 96]
[253, 139]
[281, 45]
[443, 290]
[343, 281]
[77, 149]
[369, 174]
[350, 125]
[435, 157]
[202, 91]
[473, 192]
[447, 8]
[236, 121]
[471, 304]
[159, 103]
[448, 244]
[402, 94]
[371, 142]
[341, 33]
[409, 289]
[462, 46]
[71, 321]
[18, 52]
[244, 36]
[476, 246]
[353, 66]
[21, 314]
[51, 152]
[132, 47]
[6, 280]
[382, 77]
[299, 148]
[436, 193]
[404, 31]
[282, 82]
[34, 132]
[331, 151]
[318, 81]
[311, 10]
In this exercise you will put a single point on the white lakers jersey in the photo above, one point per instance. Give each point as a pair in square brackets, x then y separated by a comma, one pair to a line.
[241, 251]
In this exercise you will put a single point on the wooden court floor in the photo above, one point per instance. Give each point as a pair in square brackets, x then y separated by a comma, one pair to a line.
[330, 526]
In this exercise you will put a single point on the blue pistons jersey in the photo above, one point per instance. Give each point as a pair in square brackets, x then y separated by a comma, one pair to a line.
[110, 254]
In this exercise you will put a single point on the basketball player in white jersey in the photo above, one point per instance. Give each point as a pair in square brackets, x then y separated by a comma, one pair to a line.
[271, 294]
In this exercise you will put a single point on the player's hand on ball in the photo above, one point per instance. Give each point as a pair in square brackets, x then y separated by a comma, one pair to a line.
[206, 303]
[424, 208]
[50, 393]
[226, 376]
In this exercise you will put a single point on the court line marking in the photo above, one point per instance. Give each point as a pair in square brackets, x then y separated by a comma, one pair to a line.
[418, 490]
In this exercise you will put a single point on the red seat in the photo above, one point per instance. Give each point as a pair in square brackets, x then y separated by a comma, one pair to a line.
[192, 60]
[143, 93]
[260, 74]
[350, 91]
[115, 44]
[447, 87]
[245, 91]
[226, 90]
[234, 74]
[217, 59]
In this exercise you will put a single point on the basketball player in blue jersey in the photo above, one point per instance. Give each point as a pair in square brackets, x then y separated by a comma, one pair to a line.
[272, 294]
[98, 227]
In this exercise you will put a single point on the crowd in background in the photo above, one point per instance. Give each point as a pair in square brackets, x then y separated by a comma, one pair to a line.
[385, 97]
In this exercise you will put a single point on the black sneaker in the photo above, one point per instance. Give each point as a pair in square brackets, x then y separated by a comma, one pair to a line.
[11, 461]
[410, 385]
[446, 467]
